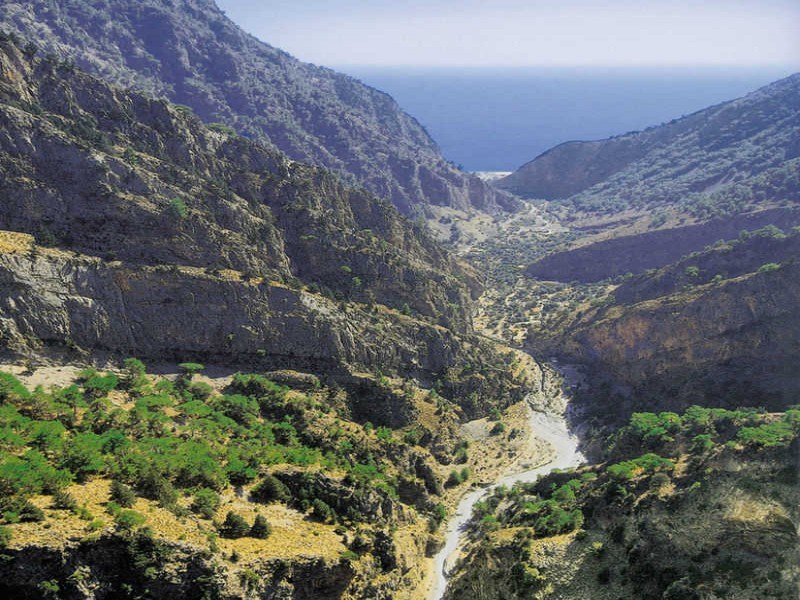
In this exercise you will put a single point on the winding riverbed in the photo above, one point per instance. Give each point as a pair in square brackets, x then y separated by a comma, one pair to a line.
[551, 428]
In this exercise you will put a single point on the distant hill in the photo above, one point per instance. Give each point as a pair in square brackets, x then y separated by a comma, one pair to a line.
[717, 160]
[642, 200]
[192, 54]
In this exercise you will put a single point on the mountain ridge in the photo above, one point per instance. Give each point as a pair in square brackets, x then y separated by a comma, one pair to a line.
[194, 55]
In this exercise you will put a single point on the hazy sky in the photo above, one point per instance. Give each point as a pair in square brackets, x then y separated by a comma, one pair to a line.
[532, 32]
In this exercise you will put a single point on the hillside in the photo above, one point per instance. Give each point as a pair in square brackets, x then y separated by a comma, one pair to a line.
[715, 154]
[131, 229]
[718, 328]
[190, 53]
[699, 505]
[642, 200]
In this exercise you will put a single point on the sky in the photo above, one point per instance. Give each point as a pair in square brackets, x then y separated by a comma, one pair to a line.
[515, 33]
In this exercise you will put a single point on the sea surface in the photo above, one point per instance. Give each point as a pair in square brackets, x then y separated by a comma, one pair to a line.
[498, 119]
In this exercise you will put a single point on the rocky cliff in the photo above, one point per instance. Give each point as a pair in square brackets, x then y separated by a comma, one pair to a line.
[718, 328]
[192, 54]
[154, 235]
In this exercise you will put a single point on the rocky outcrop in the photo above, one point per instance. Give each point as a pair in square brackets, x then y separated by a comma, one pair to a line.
[49, 297]
[729, 343]
[192, 54]
[113, 174]
[112, 565]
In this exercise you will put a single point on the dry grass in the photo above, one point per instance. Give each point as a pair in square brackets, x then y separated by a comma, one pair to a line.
[12, 241]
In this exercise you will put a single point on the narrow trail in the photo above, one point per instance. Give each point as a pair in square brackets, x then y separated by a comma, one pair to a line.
[548, 427]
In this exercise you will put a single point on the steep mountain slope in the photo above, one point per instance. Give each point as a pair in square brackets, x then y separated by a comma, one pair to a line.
[716, 328]
[190, 53]
[172, 240]
[129, 228]
[715, 154]
[696, 506]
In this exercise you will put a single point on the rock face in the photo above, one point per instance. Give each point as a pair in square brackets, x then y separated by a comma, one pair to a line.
[176, 312]
[115, 175]
[190, 53]
[749, 144]
[716, 328]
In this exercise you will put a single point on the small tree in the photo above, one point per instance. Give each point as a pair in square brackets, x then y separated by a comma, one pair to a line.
[322, 511]
[134, 373]
[122, 494]
[270, 489]
[261, 528]
[234, 526]
[206, 502]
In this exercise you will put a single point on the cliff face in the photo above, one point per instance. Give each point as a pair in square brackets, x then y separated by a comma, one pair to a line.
[150, 235]
[113, 174]
[715, 152]
[50, 297]
[716, 328]
[190, 53]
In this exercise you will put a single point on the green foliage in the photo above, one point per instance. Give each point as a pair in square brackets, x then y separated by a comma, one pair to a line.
[5, 537]
[99, 386]
[122, 494]
[261, 528]
[322, 511]
[234, 526]
[134, 373]
[64, 500]
[457, 477]
[177, 208]
[206, 502]
[191, 368]
[768, 435]
[270, 489]
[11, 389]
[129, 519]
[768, 267]
[221, 128]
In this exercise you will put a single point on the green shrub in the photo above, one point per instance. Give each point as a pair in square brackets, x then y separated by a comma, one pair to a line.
[234, 526]
[270, 489]
[322, 511]
[99, 386]
[261, 528]
[64, 500]
[11, 389]
[768, 267]
[177, 208]
[122, 494]
[5, 537]
[129, 519]
[205, 503]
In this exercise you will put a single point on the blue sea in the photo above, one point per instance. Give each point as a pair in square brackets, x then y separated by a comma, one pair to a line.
[498, 119]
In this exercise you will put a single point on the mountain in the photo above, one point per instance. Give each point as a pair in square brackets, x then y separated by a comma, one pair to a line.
[708, 160]
[132, 228]
[644, 199]
[716, 328]
[132, 232]
[190, 53]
